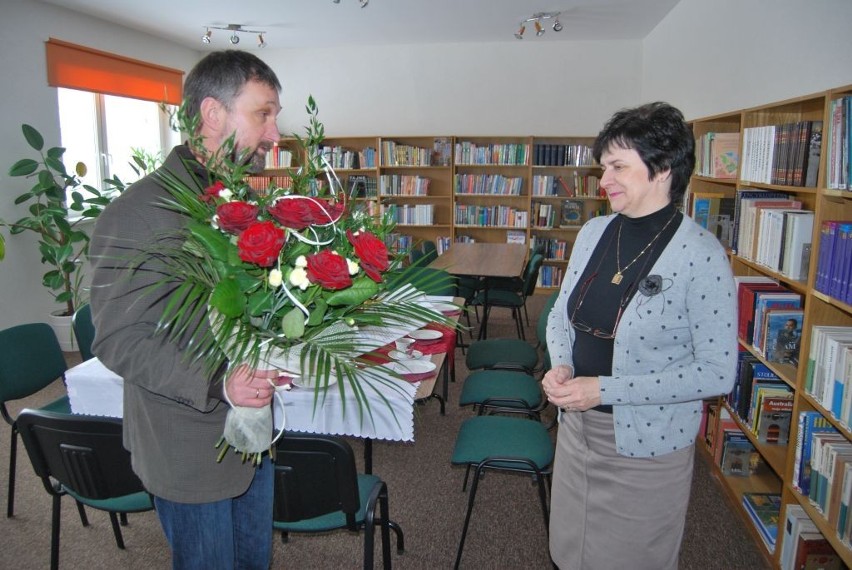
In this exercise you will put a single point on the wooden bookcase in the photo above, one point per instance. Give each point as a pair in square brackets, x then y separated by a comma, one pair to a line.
[478, 188]
[819, 309]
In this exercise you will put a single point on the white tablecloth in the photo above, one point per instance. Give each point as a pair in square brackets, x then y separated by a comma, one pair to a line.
[95, 390]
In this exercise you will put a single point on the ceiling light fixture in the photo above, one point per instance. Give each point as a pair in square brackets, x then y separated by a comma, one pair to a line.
[236, 30]
[536, 20]
[362, 2]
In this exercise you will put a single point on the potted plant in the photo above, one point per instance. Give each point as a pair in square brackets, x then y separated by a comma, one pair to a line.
[62, 245]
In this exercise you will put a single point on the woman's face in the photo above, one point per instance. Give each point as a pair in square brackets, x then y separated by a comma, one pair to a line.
[625, 180]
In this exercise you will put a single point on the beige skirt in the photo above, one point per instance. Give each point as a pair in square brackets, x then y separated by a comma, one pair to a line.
[608, 511]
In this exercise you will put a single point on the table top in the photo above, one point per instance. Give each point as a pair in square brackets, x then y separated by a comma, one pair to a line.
[483, 259]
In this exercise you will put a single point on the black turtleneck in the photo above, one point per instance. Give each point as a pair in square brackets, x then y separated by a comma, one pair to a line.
[603, 299]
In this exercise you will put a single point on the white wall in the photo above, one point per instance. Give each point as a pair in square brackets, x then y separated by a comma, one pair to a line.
[714, 57]
[26, 97]
[513, 88]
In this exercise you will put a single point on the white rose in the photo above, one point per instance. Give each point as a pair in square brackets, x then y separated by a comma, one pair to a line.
[353, 267]
[226, 194]
[299, 278]
[275, 278]
[301, 261]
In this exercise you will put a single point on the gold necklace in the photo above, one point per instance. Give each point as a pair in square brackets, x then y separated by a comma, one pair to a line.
[619, 274]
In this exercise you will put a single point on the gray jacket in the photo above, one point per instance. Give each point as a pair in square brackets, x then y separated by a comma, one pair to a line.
[171, 423]
[672, 348]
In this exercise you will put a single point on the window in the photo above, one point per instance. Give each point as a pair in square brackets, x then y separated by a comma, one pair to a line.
[102, 131]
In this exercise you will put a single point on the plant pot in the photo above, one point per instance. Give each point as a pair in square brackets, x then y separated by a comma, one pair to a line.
[61, 326]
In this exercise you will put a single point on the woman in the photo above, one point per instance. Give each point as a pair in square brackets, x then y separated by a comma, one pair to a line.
[642, 331]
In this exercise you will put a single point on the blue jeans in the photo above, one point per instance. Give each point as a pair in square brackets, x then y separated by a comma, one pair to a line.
[232, 534]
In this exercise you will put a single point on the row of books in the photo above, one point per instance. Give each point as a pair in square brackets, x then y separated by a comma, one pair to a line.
[442, 244]
[714, 211]
[550, 276]
[580, 185]
[839, 144]
[762, 400]
[562, 155]
[717, 155]
[341, 157]
[279, 157]
[829, 370]
[785, 154]
[552, 249]
[404, 185]
[398, 154]
[803, 546]
[507, 154]
[262, 184]
[546, 215]
[410, 214]
[769, 318]
[781, 240]
[490, 216]
[834, 260]
[831, 480]
[492, 184]
[362, 186]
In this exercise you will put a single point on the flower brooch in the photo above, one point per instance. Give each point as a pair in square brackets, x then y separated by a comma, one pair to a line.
[651, 285]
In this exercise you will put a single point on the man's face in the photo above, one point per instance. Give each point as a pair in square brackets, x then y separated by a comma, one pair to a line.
[253, 118]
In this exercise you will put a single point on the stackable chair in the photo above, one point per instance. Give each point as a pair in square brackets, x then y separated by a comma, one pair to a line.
[84, 330]
[513, 353]
[317, 489]
[83, 457]
[500, 443]
[30, 360]
[512, 293]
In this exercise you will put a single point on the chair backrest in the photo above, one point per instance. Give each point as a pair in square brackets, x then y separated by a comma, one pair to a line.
[430, 251]
[531, 274]
[83, 453]
[30, 359]
[314, 475]
[84, 330]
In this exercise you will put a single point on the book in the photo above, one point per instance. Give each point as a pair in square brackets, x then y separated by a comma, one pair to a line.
[783, 334]
[814, 151]
[725, 153]
[796, 522]
[764, 509]
[814, 552]
[809, 423]
[765, 301]
[773, 421]
[572, 213]
[739, 457]
[798, 239]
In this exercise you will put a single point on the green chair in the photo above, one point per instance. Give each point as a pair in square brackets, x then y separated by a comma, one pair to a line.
[83, 457]
[84, 330]
[513, 353]
[501, 443]
[30, 360]
[317, 489]
[501, 390]
[512, 293]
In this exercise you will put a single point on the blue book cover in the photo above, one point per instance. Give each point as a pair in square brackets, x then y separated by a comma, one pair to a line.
[810, 423]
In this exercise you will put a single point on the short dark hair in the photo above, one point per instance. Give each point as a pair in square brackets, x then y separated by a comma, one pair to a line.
[661, 137]
[222, 75]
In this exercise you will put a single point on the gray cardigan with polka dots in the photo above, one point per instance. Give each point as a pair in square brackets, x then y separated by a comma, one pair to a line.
[675, 345]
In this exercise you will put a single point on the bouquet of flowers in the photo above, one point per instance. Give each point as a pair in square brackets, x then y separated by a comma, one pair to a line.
[289, 277]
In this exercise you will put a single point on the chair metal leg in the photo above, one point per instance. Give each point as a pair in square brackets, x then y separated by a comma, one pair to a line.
[122, 517]
[83, 518]
[385, 529]
[54, 533]
[13, 452]
[400, 536]
[471, 497]
[116, 530]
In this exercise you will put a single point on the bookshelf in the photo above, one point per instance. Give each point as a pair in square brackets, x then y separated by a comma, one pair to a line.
[485, 189]
[759, 170]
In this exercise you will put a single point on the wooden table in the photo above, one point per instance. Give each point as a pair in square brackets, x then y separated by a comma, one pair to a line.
[483, 260]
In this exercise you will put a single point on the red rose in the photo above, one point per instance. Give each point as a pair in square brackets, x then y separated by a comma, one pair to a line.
[212, 191]
[299, 212]
[260, 243]
[234, 217]
[329, 270]
[371, 251]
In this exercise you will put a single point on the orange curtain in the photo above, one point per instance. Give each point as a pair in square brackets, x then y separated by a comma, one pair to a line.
[78, 67]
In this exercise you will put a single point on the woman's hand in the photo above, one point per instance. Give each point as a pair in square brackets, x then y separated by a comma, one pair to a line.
[569, 393]
[249, 387]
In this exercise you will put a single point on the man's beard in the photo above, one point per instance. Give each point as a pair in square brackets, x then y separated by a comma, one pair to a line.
[255, 161]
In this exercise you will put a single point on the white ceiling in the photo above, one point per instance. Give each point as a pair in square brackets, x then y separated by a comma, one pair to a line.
[323, 23]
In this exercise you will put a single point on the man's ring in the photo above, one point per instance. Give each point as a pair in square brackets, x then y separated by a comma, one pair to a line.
[257, 393]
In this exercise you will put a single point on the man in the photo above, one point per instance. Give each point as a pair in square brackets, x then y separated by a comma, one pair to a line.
[214, 515]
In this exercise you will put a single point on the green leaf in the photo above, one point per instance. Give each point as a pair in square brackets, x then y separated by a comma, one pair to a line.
[320, 308]
[214, 241]
[55, 164]
[293, 323]
[227, 298]
[23, 167]
[34, 138]
[259, 302]
[362, 289]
